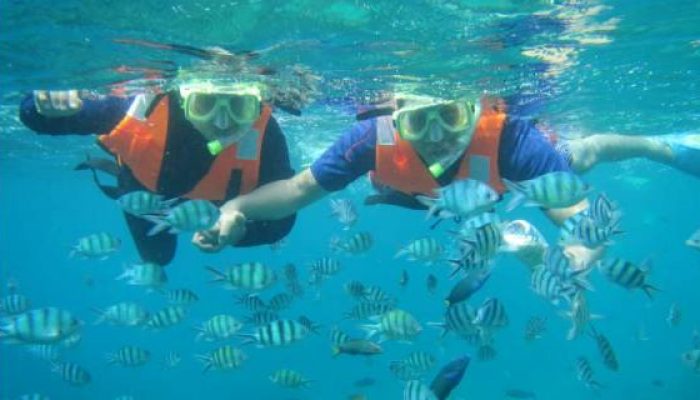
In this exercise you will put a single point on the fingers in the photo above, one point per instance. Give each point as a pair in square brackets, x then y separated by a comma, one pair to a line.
[206, 241]
[231, 227]
[59, 103]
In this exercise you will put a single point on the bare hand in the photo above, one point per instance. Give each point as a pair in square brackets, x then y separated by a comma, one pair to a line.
[207, 241]
[231, 227]
[58, 103]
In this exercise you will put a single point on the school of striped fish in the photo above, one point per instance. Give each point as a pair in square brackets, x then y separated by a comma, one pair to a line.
[260, 319]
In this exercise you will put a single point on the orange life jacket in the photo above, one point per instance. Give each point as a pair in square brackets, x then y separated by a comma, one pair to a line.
[398, 166]
[139, 142]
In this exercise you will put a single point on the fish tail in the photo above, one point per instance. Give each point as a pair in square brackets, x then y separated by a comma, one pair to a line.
[518, 196]
[110, 358]
[248, 338]
[206, 360]
[100, 315]
[218, 275]
[371, 329]
[440, 325]
[335, 351]
[650, 290]
[160, 224]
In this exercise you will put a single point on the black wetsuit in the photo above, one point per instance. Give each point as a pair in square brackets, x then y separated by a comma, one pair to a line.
[186, 161]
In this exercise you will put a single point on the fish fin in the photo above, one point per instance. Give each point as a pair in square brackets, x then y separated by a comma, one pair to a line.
[218, 275]
[335, 351]
[370, 329]
[518, 196]
[160, 224]
[650, 290]
[248, 338]
[429, 202]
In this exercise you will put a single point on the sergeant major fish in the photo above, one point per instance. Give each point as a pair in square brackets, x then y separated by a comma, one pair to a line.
[628, 275]
[552, 190]
[218, 327]
[427, 250]
[223, 358]
[358, 243]
[190, 216]
[72, 373]
[147, 274]
[289, 378]
[41, 325]
[98, 245]
[395, 324]
[250, 276]
[142, 202]
[129, 356]
[277, 333]
[124, 313]
[464, 198]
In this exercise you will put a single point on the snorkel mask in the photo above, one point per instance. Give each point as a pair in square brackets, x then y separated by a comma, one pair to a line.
[206, 101]
[440, 131]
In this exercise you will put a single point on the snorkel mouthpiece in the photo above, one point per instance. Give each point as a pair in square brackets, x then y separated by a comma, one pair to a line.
[215, 147]
[436, 169]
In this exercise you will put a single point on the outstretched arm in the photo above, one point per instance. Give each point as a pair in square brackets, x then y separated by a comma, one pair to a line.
[587, 152]
[71, 112]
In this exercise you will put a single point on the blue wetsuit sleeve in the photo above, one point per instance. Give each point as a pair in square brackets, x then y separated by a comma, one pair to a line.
[526, 153]
[351, 156]
[274, 166]
[96, 116]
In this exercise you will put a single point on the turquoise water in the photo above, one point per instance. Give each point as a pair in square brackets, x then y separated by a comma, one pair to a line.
[629, 68]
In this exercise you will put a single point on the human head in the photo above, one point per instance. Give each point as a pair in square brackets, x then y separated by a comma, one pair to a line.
[439, 130]
[221, 112]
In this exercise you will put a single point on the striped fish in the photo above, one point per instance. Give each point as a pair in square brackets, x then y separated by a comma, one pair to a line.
[603, 211]
[218, 327]
[579, 315]
[167, 317]
[72, 340]
[367, 309]
[250, 276]
[584, 373]
[141, 202]
[605, 349]
[308, 323]
[586, 232]
[289, 378]
[14, 304]
[404, 372]
[417, 361]
[338, 337]
[344, 211]
[556, 262]
[280, 301]
[486, 352]
[396, 325]
[325, 267]
[464, 198]
[282, 332]
[358, 243]
[144, 274]
[416, 390]
[252, 302]
[427, 250]
[45, 352]
[355, 289]
[262, 317]
[189, 216]
[375, 294]
[628, 275]
[183, 297]
[553, 190]
[470, 225]
[484, 242]
[549, 285]
[458, 319]
[125, 313]
[98, 245]
[72, 373]
[491, 314]
[223, 358]
[129, 356]
[40, 325]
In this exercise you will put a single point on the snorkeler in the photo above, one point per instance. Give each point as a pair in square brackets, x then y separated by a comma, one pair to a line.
[199, 140]
[416, 145]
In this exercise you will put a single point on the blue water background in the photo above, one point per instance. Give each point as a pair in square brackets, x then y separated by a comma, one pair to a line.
[644, 82]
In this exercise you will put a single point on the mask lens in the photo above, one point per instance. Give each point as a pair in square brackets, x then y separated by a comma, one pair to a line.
[244, 108]
[412, 124]
[453, 116]
[201, 104]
